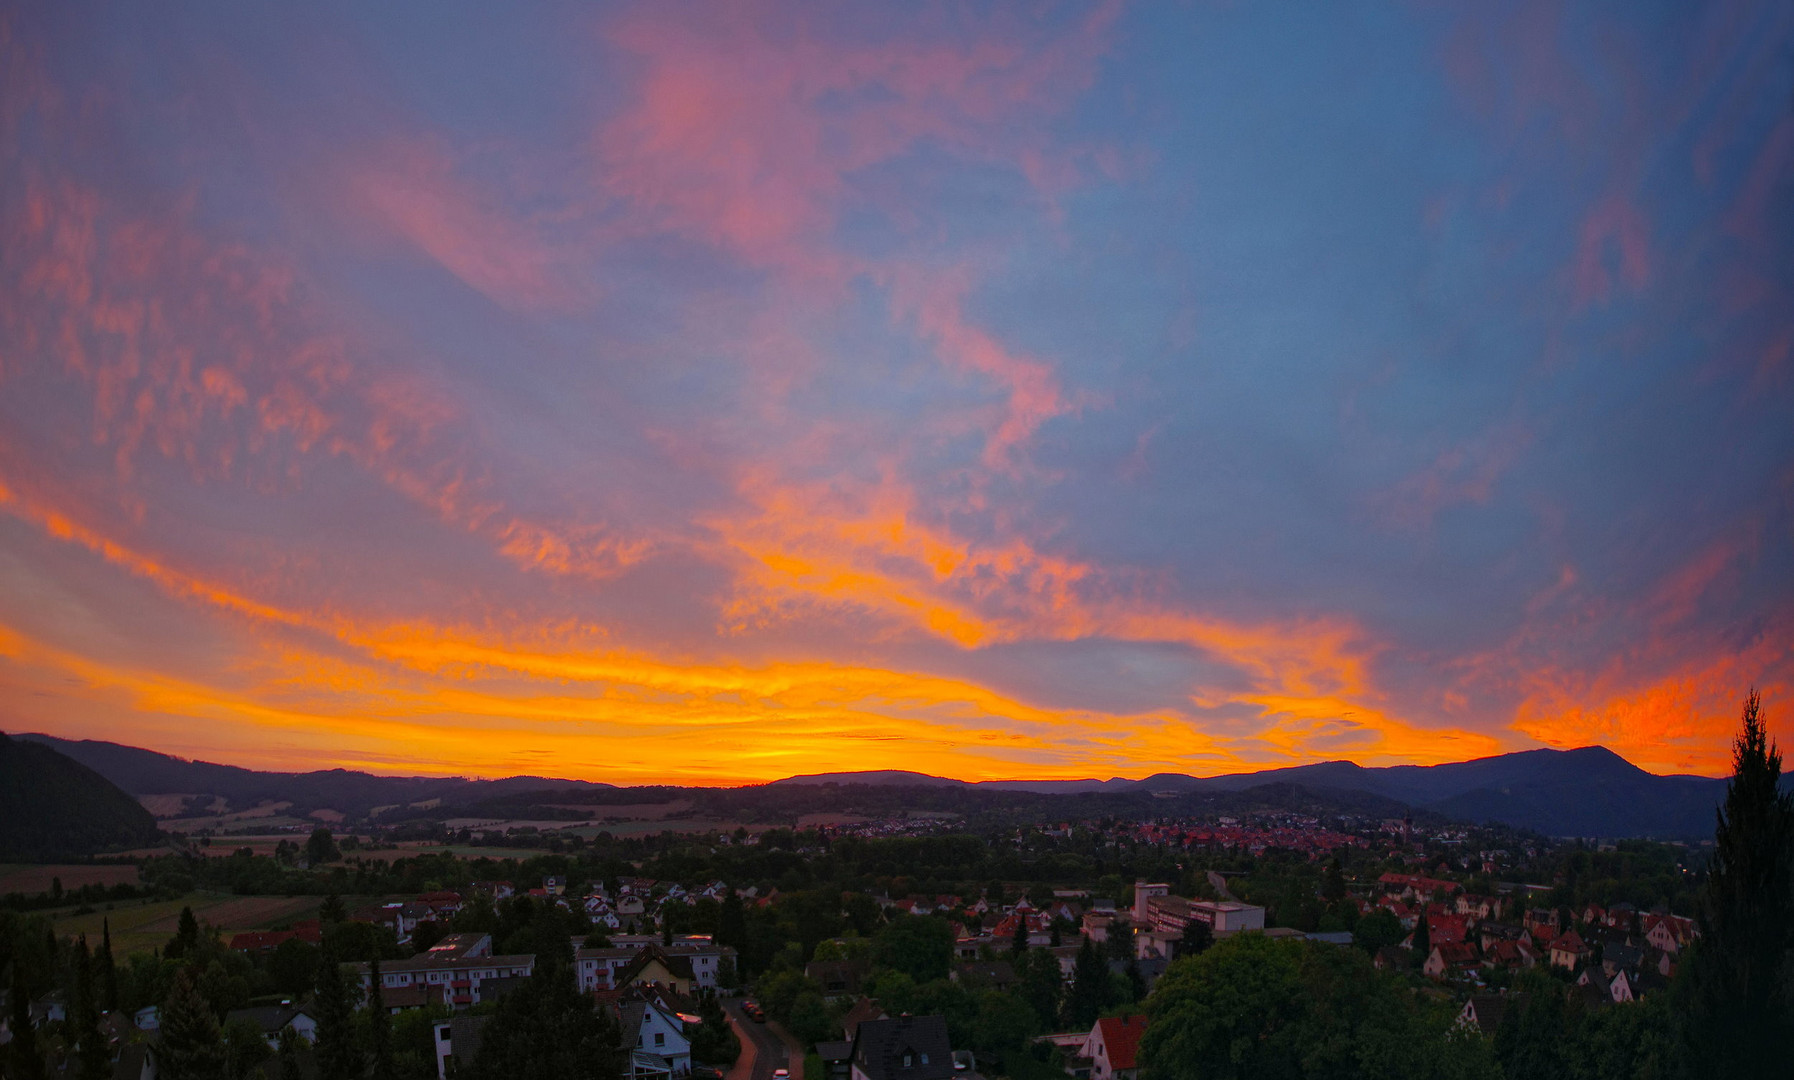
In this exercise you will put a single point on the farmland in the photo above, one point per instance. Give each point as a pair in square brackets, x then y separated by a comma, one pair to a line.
[32, 880]
[138, 927]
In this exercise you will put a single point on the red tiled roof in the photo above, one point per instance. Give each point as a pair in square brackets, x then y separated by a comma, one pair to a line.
[1121, 1039]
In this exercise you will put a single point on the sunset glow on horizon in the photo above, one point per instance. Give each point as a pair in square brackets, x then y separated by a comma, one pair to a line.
[708, 394]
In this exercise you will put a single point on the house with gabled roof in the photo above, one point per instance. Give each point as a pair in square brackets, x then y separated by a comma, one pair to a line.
[1449, 958]
[1114, 1047]
[1568, 951]
[1483, 1012]
[904, 1048]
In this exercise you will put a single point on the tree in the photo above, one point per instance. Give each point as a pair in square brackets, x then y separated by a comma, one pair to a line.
[1197, 937]
[1040, 985]
[191, 1047]
[1253, 1006]
[714, 1042]
[21, 1055]
[1019, 940]
[1333, 886]
[186, 936]
[286, 1054]
[92, 1054]
[920, 946]
[338, 1056]
[1740, 975]
[1090, 991]
[293, 967]
[108, 971]
[379, 1028]
[731, 924]
[1423, 946]
[244, 1047]
[333, 911]
[547, 1028]
[320, 847]
[1378, 930]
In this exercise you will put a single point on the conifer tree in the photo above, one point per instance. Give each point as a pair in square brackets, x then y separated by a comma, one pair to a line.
[1019, 940]
[191, 1046]
[21, 1054]
[1740, 975]
[94, 1060]
[337, 1055]
[379, 1029]
[108, 970]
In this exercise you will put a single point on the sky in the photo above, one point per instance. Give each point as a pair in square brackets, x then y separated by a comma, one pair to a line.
[709, 393]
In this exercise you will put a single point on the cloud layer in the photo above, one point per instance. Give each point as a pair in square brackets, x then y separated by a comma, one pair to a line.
[714, 394]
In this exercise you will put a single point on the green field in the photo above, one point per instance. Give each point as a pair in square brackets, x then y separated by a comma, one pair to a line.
[138, 927]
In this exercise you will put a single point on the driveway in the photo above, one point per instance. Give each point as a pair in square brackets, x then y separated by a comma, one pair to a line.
[767, 1049]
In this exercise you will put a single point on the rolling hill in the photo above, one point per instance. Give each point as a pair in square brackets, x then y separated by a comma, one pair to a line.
[1589, 791]
[53, 808]
[146, 772]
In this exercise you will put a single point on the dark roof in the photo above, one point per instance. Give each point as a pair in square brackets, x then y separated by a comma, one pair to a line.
[906, 1048]
[272, 1019]
[1487, 1009]
[997, 972]
[834, 1051]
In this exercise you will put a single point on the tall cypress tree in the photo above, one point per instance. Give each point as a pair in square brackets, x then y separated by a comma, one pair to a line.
[108, 970]
[1739, 998]
[91, 1053]
[21, 1055]
[337, 1055]
[379, 1028]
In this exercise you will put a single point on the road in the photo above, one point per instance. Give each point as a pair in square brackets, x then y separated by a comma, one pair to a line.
[767, 1049]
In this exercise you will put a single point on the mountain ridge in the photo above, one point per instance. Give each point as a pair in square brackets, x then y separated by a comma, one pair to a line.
[1585, 791]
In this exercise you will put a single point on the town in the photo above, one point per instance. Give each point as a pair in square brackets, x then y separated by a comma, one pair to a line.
[885, 949]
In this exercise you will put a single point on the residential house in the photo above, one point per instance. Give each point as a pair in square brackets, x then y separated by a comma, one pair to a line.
[904, 1048]
[274, 1019]
[1617, 986]
[1114, 1047]
[1669, 932]
[1504, 953]
[1483, 1012]
[1568, 951]
[655, 1035]
[1449, 958]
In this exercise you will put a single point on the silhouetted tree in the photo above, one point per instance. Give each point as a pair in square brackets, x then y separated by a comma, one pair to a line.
[21, 1054]
[1740, 975]
[338, 1056]
[379, 1029]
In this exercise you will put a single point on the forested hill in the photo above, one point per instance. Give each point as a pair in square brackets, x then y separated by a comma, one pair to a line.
[54, 808]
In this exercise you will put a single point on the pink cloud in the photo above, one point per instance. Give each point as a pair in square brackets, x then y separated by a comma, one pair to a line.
[412, 188]
[1614, 236]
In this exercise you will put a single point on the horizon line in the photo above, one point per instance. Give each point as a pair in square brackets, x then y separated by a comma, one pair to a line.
[375, 771]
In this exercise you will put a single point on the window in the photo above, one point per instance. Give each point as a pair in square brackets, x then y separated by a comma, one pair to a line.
[660, 1038]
